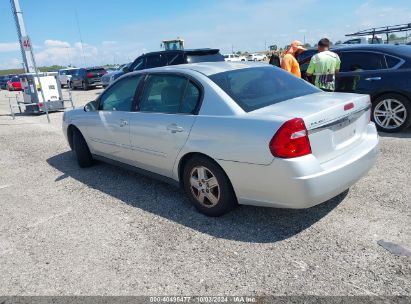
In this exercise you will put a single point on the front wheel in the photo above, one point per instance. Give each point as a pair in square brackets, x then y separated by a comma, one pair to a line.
[84, 86]
[84, 157]
[208, 187]
[391, 113]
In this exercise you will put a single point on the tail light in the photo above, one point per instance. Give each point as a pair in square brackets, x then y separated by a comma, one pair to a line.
[89, 75]
[41, 104]
[291, 140]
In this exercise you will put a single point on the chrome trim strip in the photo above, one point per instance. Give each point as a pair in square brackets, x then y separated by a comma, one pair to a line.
[352, 116]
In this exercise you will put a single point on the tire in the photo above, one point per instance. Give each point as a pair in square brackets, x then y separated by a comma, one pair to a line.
[391, 112]
[84, 157]
[84, 86]
[255, 59]
[222, 194]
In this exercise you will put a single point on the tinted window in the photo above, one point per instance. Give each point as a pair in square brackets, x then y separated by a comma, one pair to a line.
[174, 59]
[353, 41]
[97, 70]
[71, 72]
[156, 61]
[204, 58]
[255, 88]
[357, 61]
[163, 93]
[138, 65]
[120, 96]
[391, 61]
[15, 79]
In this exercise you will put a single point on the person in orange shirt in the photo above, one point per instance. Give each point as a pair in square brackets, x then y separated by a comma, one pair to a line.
[289, 61]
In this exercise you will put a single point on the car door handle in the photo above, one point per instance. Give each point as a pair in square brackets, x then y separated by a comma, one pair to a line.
[123, 122]
[175, 128]
[373, 78]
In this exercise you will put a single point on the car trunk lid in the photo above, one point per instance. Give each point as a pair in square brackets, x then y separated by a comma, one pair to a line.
[336, 122]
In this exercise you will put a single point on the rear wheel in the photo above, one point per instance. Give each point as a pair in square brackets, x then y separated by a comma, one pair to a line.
[84, 86]
[84, 157]
[208, 187]
[391, 113]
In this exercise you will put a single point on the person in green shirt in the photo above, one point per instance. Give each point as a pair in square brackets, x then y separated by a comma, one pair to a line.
[323, 66]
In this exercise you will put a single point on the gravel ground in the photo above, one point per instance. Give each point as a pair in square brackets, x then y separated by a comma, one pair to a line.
[108, 231]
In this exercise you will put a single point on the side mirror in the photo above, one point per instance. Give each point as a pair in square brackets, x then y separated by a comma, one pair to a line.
[126, 69]
[91, 106]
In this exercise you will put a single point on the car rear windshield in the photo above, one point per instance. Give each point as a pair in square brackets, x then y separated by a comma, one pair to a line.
[255, 88]
[99, 70]
[71, 72]
[15, 79]
[204, 58]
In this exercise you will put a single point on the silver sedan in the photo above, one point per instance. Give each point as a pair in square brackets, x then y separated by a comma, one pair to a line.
[229, 134]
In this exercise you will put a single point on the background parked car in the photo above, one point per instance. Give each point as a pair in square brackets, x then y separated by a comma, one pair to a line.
[64, 76]
[256, 57]
[14, 84]
[3, 82]
[86, 78]
[174, 57]
[234, 57]
[365, 40]
[110, 77]
[380, 70]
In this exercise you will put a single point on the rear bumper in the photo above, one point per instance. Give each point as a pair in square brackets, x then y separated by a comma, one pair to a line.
[302, 182]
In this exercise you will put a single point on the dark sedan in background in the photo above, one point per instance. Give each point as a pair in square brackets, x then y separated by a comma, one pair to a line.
[164, 58]
[383, 72]
[86, 78]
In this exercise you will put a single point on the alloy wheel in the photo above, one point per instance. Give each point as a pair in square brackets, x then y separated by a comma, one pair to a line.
[204, 186]
[390, 113]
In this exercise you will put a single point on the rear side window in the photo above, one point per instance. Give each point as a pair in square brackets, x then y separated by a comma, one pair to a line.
[255, 88]
[391, 61]
[156, 61]
[174, 59]
[361, 61]
[204, 58]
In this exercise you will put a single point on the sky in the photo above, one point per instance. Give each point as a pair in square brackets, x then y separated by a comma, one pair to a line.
[119, 31]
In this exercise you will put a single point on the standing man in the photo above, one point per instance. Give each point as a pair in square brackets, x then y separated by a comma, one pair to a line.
[324, 66]
[289, 62]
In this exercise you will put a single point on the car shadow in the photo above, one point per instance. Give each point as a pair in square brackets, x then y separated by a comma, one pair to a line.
[403, 134]
[246, 223]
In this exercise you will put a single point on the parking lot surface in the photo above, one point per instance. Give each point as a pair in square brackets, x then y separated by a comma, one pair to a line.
[107, 231]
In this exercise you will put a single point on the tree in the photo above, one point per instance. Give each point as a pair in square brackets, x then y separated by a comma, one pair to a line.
[393, 36]
[307, 45]
[338, 42]
[238, 53]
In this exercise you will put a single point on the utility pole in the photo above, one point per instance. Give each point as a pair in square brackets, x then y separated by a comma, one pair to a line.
[21, 34]
[27, 49]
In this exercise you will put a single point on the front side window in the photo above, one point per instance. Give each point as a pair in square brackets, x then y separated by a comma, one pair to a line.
[255, 88]
[170, 94]
[361, 61]
[120, 96]
[138, 65]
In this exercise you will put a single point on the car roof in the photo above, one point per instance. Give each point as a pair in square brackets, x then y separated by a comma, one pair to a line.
[389, 48]
[209, 68]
